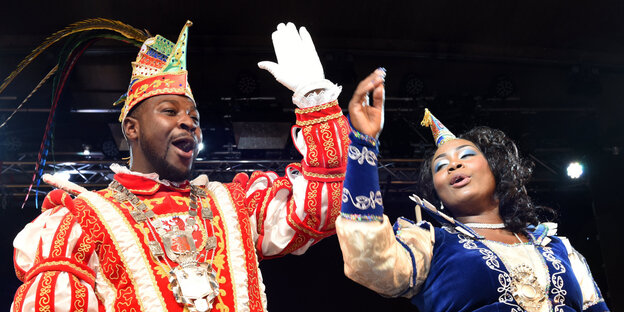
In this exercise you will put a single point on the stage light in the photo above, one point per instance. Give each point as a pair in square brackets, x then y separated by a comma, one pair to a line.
[575, 170]
[63, 175]
[86, 151]
[200, 146]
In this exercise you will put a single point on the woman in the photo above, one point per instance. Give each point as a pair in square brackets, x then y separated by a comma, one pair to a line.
[493, 256]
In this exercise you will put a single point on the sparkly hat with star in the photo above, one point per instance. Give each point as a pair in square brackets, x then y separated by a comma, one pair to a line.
[160, 68]
[440, 133]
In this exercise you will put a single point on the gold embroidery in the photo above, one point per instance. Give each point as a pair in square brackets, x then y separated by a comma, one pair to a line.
[57, 246]
[344, 131]
[312, 154]
[324, 176]
[220, 306]
[44, 292]
[142, 191]
[319, 120]
[315, 108]
[152, 202]
[43, 266]
[140, 91]
[291, 219]
[83, 248]
[328, 144]
[180, 200]
[263, 208]
[80, 295]
[334, 211]
[102, 275]
[221, 248]
[311, 204]
[19, 296]
[118, 248]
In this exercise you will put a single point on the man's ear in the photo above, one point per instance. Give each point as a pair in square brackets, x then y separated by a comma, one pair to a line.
[131, 128]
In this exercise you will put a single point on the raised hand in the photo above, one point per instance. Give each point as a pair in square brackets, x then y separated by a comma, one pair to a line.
[365, 118]
[298, 66]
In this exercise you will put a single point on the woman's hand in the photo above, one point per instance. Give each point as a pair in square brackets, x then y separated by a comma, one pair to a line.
[365, 118]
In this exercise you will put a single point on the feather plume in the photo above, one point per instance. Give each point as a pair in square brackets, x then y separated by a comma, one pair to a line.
[31, 93]
[86, 25]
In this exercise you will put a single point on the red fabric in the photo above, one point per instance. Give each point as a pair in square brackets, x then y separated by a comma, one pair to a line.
[327, 143]
[161, 84]
[315, 115]
[44, 300]
[57, 198]
[79, 298]
[62, 264]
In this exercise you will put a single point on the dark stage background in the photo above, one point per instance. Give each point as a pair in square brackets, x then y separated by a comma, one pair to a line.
[551, 75]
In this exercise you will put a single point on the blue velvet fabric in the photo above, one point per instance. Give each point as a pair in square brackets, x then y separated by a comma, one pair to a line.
[361, 197]
[466, 275]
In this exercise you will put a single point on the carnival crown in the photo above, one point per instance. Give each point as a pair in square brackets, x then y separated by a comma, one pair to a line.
[440, 133]
[160, 68]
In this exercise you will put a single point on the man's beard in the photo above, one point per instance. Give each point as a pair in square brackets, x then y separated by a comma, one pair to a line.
[163, 168]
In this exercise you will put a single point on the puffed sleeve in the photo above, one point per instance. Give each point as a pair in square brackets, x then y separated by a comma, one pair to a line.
[592, 298]
[393, 262]
[290, 213]
[54, 259]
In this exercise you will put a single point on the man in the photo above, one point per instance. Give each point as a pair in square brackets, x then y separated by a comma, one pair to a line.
[155, 241]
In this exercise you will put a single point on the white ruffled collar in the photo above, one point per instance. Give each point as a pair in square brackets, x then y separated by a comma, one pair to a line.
[202, 179]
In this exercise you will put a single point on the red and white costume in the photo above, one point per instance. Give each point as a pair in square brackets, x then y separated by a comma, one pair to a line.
[88, 253]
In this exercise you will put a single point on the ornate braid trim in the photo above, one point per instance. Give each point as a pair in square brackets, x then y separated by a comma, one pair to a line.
[325, 176]
[359, 217]
[79, 294]
[315, 108]
[298, 225]
[234, 247]
[61, 237]
[319, 120]
[123, 237]
[44, 300]
[80, 270]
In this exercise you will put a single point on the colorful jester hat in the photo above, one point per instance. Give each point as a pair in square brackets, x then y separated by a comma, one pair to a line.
[440, 133]
[160, 68]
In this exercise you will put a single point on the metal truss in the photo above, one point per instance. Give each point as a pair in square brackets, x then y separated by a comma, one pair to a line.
[15, 176]
[396, 175]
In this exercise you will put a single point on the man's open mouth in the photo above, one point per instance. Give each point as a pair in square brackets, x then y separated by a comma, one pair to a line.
[185, 144]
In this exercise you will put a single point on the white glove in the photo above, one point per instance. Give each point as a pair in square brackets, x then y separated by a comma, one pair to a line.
[298, 66]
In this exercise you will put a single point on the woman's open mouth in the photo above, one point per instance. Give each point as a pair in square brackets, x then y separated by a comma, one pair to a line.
[459, 180]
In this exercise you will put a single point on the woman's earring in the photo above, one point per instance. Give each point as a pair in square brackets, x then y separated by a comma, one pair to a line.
[441, 206]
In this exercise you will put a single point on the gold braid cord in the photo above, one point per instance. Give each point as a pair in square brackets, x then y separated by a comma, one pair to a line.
[86, 25]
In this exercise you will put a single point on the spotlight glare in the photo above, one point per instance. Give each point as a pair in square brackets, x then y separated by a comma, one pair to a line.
[63, 175]
[575, 170]
[200, 146]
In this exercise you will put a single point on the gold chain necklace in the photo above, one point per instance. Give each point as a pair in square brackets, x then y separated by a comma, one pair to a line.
[194, 284]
